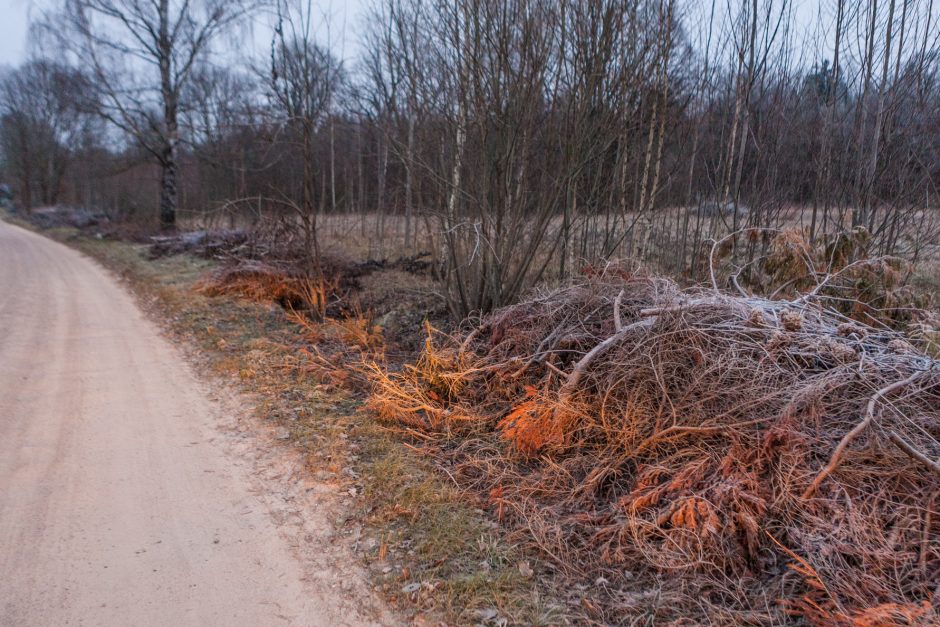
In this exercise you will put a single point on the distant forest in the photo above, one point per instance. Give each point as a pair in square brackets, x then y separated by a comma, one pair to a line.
[512, 139]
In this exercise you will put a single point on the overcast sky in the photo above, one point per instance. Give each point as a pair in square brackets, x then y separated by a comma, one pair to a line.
[14, 18]
[15, 14]
[346, 20]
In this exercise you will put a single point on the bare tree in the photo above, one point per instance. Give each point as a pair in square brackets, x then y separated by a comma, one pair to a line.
[304, 80]
[140, 55]
[40, 123]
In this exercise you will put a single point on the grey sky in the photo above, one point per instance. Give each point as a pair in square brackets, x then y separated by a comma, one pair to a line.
[14, 20]
[345, 17]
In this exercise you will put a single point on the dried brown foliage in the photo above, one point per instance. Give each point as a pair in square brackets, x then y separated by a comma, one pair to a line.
[838, 269]
[262, 282]
[740, 459]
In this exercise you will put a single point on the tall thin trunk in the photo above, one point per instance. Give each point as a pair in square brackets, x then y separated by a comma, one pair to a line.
[168, 158]
[450, 271]
[169, 170]
[879, 124]
[309, 208]
[749, 86]
[667, 47]
[647, 160]
[332, 165]
[380, 195]
[361, 205]
[832, 100]
[860, 211]
[409, 180]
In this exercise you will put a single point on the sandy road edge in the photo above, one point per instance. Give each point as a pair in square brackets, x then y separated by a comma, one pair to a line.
[308, 513]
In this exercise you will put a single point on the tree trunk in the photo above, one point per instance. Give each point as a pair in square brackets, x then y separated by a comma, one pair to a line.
[409, 180]
[860, 210]
[168, 188]
[332, 165]
[168, 163]
[869, 205]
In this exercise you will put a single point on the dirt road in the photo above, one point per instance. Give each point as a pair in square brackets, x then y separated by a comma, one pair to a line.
[126, 498]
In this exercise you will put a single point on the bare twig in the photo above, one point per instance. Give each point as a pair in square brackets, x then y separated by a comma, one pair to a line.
[578, 371]
[905, 446]
[618, 323]
[854, 433]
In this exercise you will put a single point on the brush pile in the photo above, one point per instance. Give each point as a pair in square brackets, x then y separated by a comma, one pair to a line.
[691, 455]
[270, 239]
[206, 244]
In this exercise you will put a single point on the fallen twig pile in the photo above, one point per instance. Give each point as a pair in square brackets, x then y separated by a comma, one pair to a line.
[698, 454]
[206, 244]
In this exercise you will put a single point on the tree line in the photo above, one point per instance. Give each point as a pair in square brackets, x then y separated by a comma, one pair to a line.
[512, 140]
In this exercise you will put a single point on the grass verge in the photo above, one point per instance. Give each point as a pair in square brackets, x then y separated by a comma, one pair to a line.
[429, 547]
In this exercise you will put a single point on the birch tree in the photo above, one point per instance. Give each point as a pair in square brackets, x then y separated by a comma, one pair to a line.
[140, 55]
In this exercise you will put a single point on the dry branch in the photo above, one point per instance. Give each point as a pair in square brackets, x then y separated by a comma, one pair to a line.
[914, 453]
[574, 377]
[854, 433]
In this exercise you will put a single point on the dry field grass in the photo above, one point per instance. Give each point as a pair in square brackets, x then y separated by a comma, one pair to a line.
[489, 489]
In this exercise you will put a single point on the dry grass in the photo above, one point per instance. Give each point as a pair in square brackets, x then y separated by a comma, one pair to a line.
[265, 283]
[414, 528]
[666, 485]
[751, 461]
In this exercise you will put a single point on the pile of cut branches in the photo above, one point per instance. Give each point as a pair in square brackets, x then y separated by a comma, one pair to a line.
[691, 454]
[207, 244]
